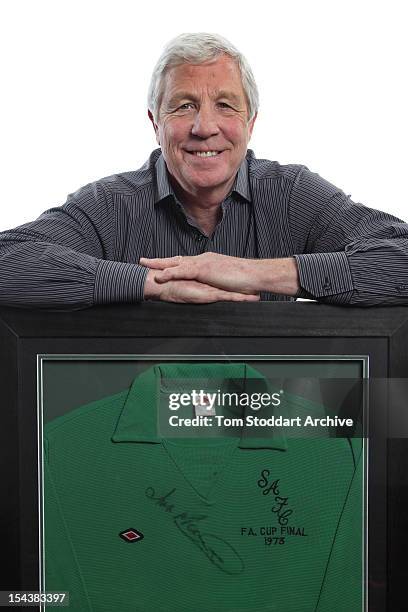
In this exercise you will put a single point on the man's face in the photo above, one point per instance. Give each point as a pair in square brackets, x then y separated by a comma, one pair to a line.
[204, 109]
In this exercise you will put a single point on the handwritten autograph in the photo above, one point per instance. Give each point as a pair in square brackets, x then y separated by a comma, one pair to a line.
[219, 552]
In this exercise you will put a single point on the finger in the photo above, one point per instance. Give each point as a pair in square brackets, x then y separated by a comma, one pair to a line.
[160, 263]
[177, 273]
[209, 297]
[220, 295]
[230, 296]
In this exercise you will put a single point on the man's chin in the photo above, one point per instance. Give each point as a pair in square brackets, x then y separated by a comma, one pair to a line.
[208, 177]
[207, 182]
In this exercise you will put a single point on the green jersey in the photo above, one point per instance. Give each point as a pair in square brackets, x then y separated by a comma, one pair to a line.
[135, 521]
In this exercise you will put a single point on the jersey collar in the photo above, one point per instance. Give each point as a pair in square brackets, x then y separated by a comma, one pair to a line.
[138, 419]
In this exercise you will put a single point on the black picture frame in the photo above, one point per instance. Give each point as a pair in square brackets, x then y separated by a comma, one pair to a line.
[381, 333]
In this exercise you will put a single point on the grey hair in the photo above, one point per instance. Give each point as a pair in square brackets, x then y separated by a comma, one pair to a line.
[197, 48]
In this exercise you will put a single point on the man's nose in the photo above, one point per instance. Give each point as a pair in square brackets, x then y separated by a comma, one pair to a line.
[205, 123]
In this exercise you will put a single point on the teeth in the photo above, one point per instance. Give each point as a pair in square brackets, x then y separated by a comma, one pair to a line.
[206, 153]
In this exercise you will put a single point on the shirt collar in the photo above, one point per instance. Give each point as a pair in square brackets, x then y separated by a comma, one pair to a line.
[139, 418]
[164, 188]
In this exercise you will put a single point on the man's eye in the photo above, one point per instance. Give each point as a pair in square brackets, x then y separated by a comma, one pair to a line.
[186, 106]
[224, 105]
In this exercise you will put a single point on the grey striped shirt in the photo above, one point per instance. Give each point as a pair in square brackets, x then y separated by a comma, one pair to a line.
[87, 251]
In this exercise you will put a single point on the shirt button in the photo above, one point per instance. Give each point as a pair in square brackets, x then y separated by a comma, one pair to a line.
[199, 237]
[327, 284]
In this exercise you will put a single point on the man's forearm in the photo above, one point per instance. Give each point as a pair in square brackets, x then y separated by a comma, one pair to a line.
[46, 275]
[277, 275]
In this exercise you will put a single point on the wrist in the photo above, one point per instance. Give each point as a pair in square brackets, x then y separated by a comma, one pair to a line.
[151, 287]
[279, 276]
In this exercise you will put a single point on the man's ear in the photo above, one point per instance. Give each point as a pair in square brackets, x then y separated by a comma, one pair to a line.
[251, 124]
[155, 126]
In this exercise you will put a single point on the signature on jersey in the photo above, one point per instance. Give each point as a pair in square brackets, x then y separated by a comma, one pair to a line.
[217, 550]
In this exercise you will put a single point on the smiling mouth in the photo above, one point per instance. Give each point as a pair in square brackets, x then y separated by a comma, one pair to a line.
[205, 154]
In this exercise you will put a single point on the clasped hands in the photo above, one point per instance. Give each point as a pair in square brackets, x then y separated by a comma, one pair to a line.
[211, 277]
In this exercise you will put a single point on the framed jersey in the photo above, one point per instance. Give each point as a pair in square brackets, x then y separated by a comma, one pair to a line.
[213, 458]
[200, 495]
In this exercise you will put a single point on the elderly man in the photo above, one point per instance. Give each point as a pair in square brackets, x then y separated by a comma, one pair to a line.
[203, 220]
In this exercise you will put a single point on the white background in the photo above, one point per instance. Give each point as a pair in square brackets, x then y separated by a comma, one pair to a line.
[332, 77]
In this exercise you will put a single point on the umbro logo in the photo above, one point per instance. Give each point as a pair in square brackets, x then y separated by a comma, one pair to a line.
[131, 535]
